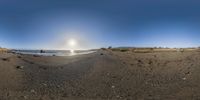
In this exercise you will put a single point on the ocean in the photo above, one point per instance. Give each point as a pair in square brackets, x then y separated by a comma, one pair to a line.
[54, 52]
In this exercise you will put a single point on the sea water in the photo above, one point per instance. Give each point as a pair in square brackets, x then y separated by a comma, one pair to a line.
[54, 52]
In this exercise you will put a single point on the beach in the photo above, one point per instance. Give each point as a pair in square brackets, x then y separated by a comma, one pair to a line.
[103, 75]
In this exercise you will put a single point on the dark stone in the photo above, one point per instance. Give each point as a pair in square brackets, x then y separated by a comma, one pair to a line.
[42, 51]
[20, 67]
[36, 56]
[5, 59]
[19, 57]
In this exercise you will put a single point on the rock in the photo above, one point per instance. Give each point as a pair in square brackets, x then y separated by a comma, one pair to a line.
[36, 56]
[42, 67]
[150, 62]
[139, 61]
[19, 57]
[31, 62]
[20, 67]
[118, 96]
[58, 86]
[108, 74]
[33, 91]
[42, 51]
[184, 78]
[101, 54]
[5, 59]
[113, 86]
[8, 94]
[44, 84]
[187, 73]
[24, 97]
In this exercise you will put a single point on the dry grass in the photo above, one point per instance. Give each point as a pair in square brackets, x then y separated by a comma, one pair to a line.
[3, 50]
[151, 50]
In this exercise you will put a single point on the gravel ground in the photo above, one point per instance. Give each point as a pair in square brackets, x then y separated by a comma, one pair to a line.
[103, 75]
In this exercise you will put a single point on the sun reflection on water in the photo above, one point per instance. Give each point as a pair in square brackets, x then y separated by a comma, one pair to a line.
[72, 51]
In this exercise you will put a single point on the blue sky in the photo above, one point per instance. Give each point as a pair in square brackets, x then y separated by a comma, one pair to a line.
[49, 24]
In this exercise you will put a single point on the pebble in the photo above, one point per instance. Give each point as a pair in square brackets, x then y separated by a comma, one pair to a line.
[184, 78]
[19, 57]
[112, 86]
[44, 84]
[58, 86]
[25, 97]
[8, 94]
[108, 74]
[5, 59]
[20, 67]
[33, 91]
[118, 96]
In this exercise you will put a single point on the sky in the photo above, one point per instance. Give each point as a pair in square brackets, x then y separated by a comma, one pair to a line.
[51, 24]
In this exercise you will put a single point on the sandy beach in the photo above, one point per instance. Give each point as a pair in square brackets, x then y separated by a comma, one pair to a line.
[103, 75]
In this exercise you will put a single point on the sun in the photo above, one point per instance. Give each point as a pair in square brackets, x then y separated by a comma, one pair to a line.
[72, 42]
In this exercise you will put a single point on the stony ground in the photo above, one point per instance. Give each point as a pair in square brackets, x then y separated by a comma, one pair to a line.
[104, 75]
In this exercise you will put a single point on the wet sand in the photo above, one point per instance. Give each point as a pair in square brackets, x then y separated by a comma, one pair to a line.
[103, 75]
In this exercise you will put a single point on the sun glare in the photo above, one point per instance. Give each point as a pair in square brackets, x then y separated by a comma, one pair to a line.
[72, 42]
[72, 51]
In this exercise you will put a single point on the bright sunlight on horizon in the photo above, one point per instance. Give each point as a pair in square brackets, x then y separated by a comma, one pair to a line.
[72, 43]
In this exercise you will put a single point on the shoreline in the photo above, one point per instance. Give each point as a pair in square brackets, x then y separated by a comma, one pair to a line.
[55, 53]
